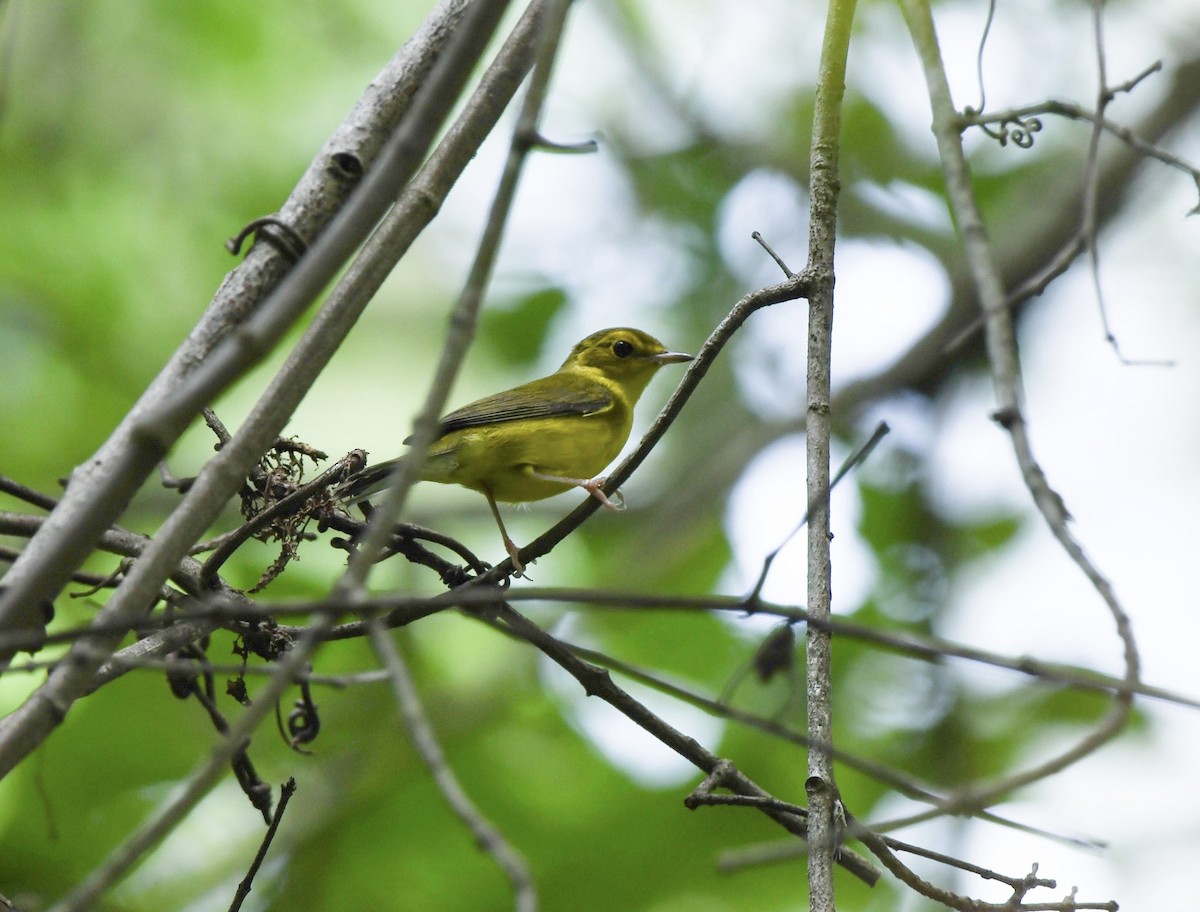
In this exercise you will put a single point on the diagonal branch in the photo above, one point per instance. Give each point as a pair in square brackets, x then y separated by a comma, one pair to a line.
[101, 488]
[597, 682]
[22, 731]
[487, 836]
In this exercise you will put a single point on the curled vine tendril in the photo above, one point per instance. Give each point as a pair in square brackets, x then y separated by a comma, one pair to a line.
[303, 722]
[1023, 131]
[1019, 130]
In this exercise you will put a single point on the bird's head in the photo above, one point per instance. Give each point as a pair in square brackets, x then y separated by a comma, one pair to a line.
[623, 355]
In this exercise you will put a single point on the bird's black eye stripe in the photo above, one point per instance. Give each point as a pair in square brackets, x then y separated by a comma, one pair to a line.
[622, 349]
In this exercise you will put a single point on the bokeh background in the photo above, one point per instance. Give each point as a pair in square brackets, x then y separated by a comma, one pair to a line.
[136, 136]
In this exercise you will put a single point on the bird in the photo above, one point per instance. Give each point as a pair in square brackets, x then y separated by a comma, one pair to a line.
[544, 437]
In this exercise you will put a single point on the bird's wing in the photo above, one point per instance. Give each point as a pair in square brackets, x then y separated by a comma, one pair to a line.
[532, 400]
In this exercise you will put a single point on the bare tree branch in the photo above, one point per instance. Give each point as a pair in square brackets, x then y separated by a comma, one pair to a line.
[101, 488]
[21, 731]
[825, 819]
[87, 893]
[1006, 375]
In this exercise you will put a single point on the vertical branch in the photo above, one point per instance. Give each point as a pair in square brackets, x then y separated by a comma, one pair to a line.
[823, 188]
[1090, 193]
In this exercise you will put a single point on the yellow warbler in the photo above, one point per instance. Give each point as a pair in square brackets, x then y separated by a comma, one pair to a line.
[543, 437]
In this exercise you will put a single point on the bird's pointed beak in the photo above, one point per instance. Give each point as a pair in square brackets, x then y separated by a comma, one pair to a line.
[671, 358]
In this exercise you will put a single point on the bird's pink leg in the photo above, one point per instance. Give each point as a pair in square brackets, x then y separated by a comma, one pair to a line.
[593, 486]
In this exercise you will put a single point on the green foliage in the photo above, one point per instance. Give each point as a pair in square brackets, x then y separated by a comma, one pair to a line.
[687, 185]
[516, 332]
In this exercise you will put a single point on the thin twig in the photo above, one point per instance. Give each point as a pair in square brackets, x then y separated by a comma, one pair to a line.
[231, 608]
[94, 580]
[1091, 170]
[762, 242]
[285, 795]
[26, 493]
[983, 37]
[1073, 111]
[416, 723]
[854, 459]
[597, 682]
[898, 780]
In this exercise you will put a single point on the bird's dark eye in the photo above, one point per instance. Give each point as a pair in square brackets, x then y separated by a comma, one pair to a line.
[622, 349]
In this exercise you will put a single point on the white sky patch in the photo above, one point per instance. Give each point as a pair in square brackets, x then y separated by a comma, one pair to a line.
[915, 205]
[775, 205]
[766, 505]
[888, 295]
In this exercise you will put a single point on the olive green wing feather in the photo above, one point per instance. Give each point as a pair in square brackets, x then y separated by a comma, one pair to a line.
[539, 399]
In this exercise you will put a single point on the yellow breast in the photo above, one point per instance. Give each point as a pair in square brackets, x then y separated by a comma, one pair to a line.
[504, 457]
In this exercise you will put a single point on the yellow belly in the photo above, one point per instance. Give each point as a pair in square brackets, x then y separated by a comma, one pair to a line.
[504, 457]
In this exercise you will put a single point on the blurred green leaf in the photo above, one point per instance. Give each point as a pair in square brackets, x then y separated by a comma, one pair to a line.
[686, 185]
[519, 329]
